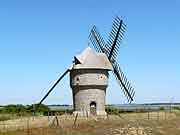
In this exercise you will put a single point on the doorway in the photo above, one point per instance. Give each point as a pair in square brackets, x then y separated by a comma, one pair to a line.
[93, 108]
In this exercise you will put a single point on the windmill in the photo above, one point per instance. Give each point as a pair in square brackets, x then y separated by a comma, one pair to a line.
[89, 72]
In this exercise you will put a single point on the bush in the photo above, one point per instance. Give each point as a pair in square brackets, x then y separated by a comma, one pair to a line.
[22, 110]
[176, 108]
[59, 112]
[161, 108]
[42, 108]
[113, 110]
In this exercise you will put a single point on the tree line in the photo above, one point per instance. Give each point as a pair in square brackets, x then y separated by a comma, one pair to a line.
[19, 108]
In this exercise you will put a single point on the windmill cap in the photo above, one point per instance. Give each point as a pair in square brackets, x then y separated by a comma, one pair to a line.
[89, 59]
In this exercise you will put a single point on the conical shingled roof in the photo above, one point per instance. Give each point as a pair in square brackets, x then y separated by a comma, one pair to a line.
[90, 60]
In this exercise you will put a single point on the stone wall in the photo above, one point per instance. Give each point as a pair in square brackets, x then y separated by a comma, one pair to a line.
[89, 85]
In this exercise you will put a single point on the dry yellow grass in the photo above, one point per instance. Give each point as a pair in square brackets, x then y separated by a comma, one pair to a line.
[159, 123]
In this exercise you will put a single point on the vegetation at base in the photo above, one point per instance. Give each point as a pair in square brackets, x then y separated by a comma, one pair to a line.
[176, 108]
[58, 112]
[22, 109]
[12, 110]
[42, 108]
[114, 110]
[27, 110]
[161, 108]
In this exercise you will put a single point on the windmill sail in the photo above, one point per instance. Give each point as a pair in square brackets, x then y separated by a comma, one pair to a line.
[97, 41]
[115, 38]
[51, 89]
[111, 49]
[123, 82]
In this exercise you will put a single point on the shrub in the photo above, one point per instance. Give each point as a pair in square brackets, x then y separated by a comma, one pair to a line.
[176, 108]
[113, 110]
[42, 108]
[22, 110]
[161, 108]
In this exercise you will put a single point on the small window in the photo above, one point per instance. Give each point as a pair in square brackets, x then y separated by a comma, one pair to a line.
[100, 77]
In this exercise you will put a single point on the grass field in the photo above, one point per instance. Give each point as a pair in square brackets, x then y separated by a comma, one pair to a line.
[154, 123]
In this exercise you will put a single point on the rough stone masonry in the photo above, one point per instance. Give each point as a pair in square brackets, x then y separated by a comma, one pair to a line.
[89, 80]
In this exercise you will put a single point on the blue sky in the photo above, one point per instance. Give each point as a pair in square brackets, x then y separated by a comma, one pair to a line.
[38, 40]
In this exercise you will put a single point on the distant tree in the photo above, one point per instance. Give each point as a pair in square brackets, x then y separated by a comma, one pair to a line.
[10, 108]
[176, 108]
[13, 109]
[161, 108]
[21, 109]
[41, 108]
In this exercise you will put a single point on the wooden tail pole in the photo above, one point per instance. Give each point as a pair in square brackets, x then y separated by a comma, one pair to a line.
[94, 117]
[75, 120]
[54, 121]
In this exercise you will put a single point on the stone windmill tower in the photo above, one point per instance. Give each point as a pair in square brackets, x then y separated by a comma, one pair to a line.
[89, 80]
[90, 70]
